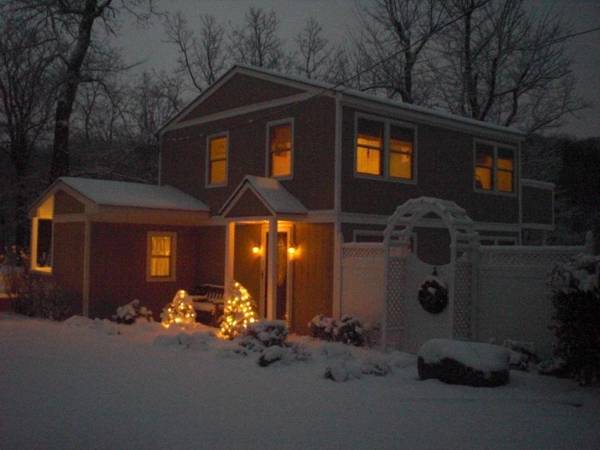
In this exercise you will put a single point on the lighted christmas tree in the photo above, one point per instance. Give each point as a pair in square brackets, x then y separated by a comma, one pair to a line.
[239, 312]
[180, 311]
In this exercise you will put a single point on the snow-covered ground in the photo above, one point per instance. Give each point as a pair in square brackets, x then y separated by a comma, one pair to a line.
[80, 385]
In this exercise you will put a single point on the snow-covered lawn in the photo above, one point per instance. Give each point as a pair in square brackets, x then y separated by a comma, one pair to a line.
[77, 385]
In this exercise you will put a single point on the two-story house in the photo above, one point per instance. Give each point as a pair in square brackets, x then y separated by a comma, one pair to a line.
[262, 180]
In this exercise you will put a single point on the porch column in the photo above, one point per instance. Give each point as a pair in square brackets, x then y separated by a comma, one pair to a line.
[229, 257]
[272, 270]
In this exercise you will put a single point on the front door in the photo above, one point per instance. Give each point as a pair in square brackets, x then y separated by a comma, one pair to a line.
[281, 303]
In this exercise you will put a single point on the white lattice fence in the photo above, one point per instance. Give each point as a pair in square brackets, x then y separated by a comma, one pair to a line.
[513, 298]
[463, 292]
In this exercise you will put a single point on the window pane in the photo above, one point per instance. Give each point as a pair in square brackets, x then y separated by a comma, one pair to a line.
[368, 161]
[401, 165]
[44, 243]
[504, 181]
[483, 178]
[161, 245]
[218, 170]
[218, 148]
[280, 147]
[281, 164]
[160, 266]
[505, 159]
[485, 156]
[281, 138]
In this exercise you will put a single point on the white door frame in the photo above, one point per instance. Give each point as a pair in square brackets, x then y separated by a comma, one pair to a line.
[288, 228]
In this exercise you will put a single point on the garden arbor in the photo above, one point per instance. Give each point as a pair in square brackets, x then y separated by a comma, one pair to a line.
[405, 324]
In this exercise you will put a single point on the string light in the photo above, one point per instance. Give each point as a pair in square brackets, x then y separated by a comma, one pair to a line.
[180, 311]
[239, 312]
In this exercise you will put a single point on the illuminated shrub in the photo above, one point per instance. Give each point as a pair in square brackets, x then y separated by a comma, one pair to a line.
[238, 314]
[179, 312]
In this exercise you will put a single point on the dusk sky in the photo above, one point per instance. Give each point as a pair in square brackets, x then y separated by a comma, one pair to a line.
[338, 17]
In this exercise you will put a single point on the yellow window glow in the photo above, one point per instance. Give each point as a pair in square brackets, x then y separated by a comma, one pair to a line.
[504, 170]
[217, 160]
[160, 256]
[484, 167]
[369, 146]
[280, 150]
[401, 154]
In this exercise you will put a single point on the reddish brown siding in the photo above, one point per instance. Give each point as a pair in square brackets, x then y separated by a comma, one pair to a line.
[66, 204]
[537, 205]
[249, 205]
[210, 262]
[313, 274]
[183, 153]
[444, 170]
[247, 264]
[118, 267]
[241, 90]
[67, 260]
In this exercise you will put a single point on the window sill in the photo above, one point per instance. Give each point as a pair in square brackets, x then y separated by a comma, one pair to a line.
[212, 186]
[492, 192]
[42, 270]
[160, 279]
[384, 179]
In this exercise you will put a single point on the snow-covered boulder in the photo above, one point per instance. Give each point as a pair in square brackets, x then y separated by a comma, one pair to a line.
[468, 363]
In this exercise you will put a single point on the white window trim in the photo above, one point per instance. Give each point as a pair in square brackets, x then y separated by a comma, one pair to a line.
[207, 182]
[496, 239]
[516, 167]
[387, 123]
[173, 276]
[287, 120]
[45, 270]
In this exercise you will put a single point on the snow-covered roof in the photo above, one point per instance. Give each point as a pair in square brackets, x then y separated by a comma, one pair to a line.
[348, 92]
[137, 195]
[271, 192]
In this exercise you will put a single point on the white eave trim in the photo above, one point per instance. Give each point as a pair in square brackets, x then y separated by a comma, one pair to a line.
[528, 182]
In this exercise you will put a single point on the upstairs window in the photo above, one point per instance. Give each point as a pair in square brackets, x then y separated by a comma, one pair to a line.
[401, 153]
[280, 150]
[369, 147]
[217, 160]
[161, 256]
[494, 168]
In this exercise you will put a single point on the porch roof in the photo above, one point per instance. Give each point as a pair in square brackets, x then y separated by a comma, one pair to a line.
[136, 195]
[271, 194]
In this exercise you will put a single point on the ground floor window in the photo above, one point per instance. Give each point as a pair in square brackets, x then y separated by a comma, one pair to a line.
[41, 236]
[161, 256]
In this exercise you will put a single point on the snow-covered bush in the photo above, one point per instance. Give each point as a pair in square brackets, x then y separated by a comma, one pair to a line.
[576, 299]
[131, 312]
[348, 330]
[522, 354]
[268, 332]
[37, 296]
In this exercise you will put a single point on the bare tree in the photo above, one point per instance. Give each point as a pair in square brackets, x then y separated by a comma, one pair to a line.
[314, 51]
[28, 57]
[256, 42]
[201, 57]
[511, 66]
[395, 35]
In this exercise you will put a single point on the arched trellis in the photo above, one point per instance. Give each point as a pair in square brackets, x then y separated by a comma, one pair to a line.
[408, 215]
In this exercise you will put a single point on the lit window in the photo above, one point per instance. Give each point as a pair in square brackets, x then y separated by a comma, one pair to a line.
[494, 168]
[161, 256]
[401, 153]
[505, 170]
[41, 237]
[369, 147]
[280, 150]
[217, 160]
[484, 167]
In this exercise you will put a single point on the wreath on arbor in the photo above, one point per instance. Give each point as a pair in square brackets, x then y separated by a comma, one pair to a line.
[433, 294]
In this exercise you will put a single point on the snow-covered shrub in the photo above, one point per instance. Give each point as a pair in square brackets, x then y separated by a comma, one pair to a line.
[271, 354]
[268, 332]
[348, 330]
[576, 299]
[522, 354]
[553, 366]
[461, 362]
[343, 370]
[131, 312]
[37, 296]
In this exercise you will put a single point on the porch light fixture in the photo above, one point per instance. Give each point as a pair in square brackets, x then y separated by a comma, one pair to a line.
[256, 250]
[292, 252]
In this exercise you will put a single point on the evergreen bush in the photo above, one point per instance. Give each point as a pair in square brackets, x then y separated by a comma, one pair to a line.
[37, 296]
[576, 299]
